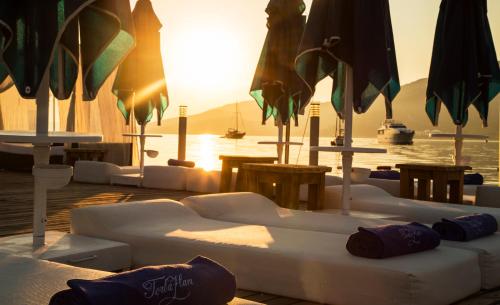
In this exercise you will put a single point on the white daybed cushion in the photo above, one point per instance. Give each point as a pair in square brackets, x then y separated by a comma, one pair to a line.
[165, 177]
[250, 208]
[329, 180]
[301, 264]
[202, 181]
[375, 200]
[94, 172]
[26, 281]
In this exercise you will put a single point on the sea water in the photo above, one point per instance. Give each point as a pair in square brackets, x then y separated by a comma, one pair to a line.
[205, 151]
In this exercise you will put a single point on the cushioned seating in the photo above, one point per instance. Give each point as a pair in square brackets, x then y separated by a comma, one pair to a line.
[302, 264]
[329, 180]
[372, 199]
[99, 172]
[250, 208]
[202, 181]
[26, 281]
[165, 177]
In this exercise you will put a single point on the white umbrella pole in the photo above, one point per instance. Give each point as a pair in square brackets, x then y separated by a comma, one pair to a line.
[142, 144]
[347, 156]
[458, 145]
[280, 141]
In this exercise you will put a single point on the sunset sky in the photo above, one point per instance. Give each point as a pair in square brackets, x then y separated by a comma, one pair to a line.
[211, 48]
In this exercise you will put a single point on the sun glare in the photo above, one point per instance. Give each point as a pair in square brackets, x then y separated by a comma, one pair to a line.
[207, 155]
[204, 58]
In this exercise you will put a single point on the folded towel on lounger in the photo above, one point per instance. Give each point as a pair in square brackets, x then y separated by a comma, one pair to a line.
[393, 240]
[385, 174]
[173, 162]
[201, 281]
[466, 228]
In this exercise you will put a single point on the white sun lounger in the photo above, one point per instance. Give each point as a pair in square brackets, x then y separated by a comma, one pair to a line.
[372, 199]
[308, 265]
[250, 208]
[26, 281]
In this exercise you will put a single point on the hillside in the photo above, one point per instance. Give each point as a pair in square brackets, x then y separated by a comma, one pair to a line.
[408, 107]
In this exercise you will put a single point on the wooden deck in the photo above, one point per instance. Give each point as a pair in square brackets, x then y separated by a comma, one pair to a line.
[16, 213]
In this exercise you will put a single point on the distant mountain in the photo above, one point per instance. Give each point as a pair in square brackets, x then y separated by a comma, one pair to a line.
[409, 107]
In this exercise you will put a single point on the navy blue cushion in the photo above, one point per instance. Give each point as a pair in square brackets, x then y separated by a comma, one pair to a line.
[385, 174]
[392, 240]
[173, 162]
[200, 281]
[473, 179]
[466, 228]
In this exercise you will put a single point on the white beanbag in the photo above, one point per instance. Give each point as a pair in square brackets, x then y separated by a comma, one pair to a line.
[308, 265]
[99, 172]
[250, 208]
[165, 177]
[201, 181]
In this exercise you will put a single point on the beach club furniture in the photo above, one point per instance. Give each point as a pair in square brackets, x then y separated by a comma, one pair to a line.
[307, 265]
[165, 177]
[488, 196]
[440, 175]
[372, 199]
[287, 178]
[200, 180]
[30, 281]
[329, 180]
[230, 162]
[100, 172]
[19, 157]
[251, 208]
[69, 249]
[84, 154]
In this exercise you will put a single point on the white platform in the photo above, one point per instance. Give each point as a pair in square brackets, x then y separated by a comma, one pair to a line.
[69, 249]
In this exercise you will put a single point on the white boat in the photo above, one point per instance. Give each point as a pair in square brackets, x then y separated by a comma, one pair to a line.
[394, 132]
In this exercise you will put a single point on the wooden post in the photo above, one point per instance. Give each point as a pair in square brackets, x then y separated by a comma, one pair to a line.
[314, 133]
[182, 133]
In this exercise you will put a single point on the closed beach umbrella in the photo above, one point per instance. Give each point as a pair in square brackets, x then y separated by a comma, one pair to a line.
[352, 42]
[140, 83]
[276, 86]
[464, 69]
[43, 44]
[37, 35]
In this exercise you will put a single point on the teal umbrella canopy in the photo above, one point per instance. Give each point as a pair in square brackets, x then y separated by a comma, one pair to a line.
[353, 32]
[140, 83]
[276, 86]
[464, 69]
[62, 35]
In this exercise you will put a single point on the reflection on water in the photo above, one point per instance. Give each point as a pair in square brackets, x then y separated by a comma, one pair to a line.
[205, 151]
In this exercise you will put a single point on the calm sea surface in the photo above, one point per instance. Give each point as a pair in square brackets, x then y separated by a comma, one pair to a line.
[205, 151]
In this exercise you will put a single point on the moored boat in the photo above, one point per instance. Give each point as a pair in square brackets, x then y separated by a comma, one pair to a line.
[394, 132]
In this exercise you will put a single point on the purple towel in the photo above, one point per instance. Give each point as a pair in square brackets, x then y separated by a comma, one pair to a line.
[393, 240]
[173, 162]
[201, 281]
[385, 174]
[466, 228]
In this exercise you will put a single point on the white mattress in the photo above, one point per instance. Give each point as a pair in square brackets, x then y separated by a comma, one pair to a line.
[252, 208]
[301, 264]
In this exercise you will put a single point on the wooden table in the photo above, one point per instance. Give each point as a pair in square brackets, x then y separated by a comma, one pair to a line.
[288, 178]
[440, 175]
[229, 162]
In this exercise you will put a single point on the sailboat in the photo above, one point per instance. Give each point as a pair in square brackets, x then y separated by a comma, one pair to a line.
[339, 133]
[235, 133]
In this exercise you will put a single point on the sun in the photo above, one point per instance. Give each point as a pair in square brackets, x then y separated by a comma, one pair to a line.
[204, 58]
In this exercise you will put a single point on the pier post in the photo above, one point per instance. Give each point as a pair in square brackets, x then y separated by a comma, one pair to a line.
[314, 133]
[182, 133]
